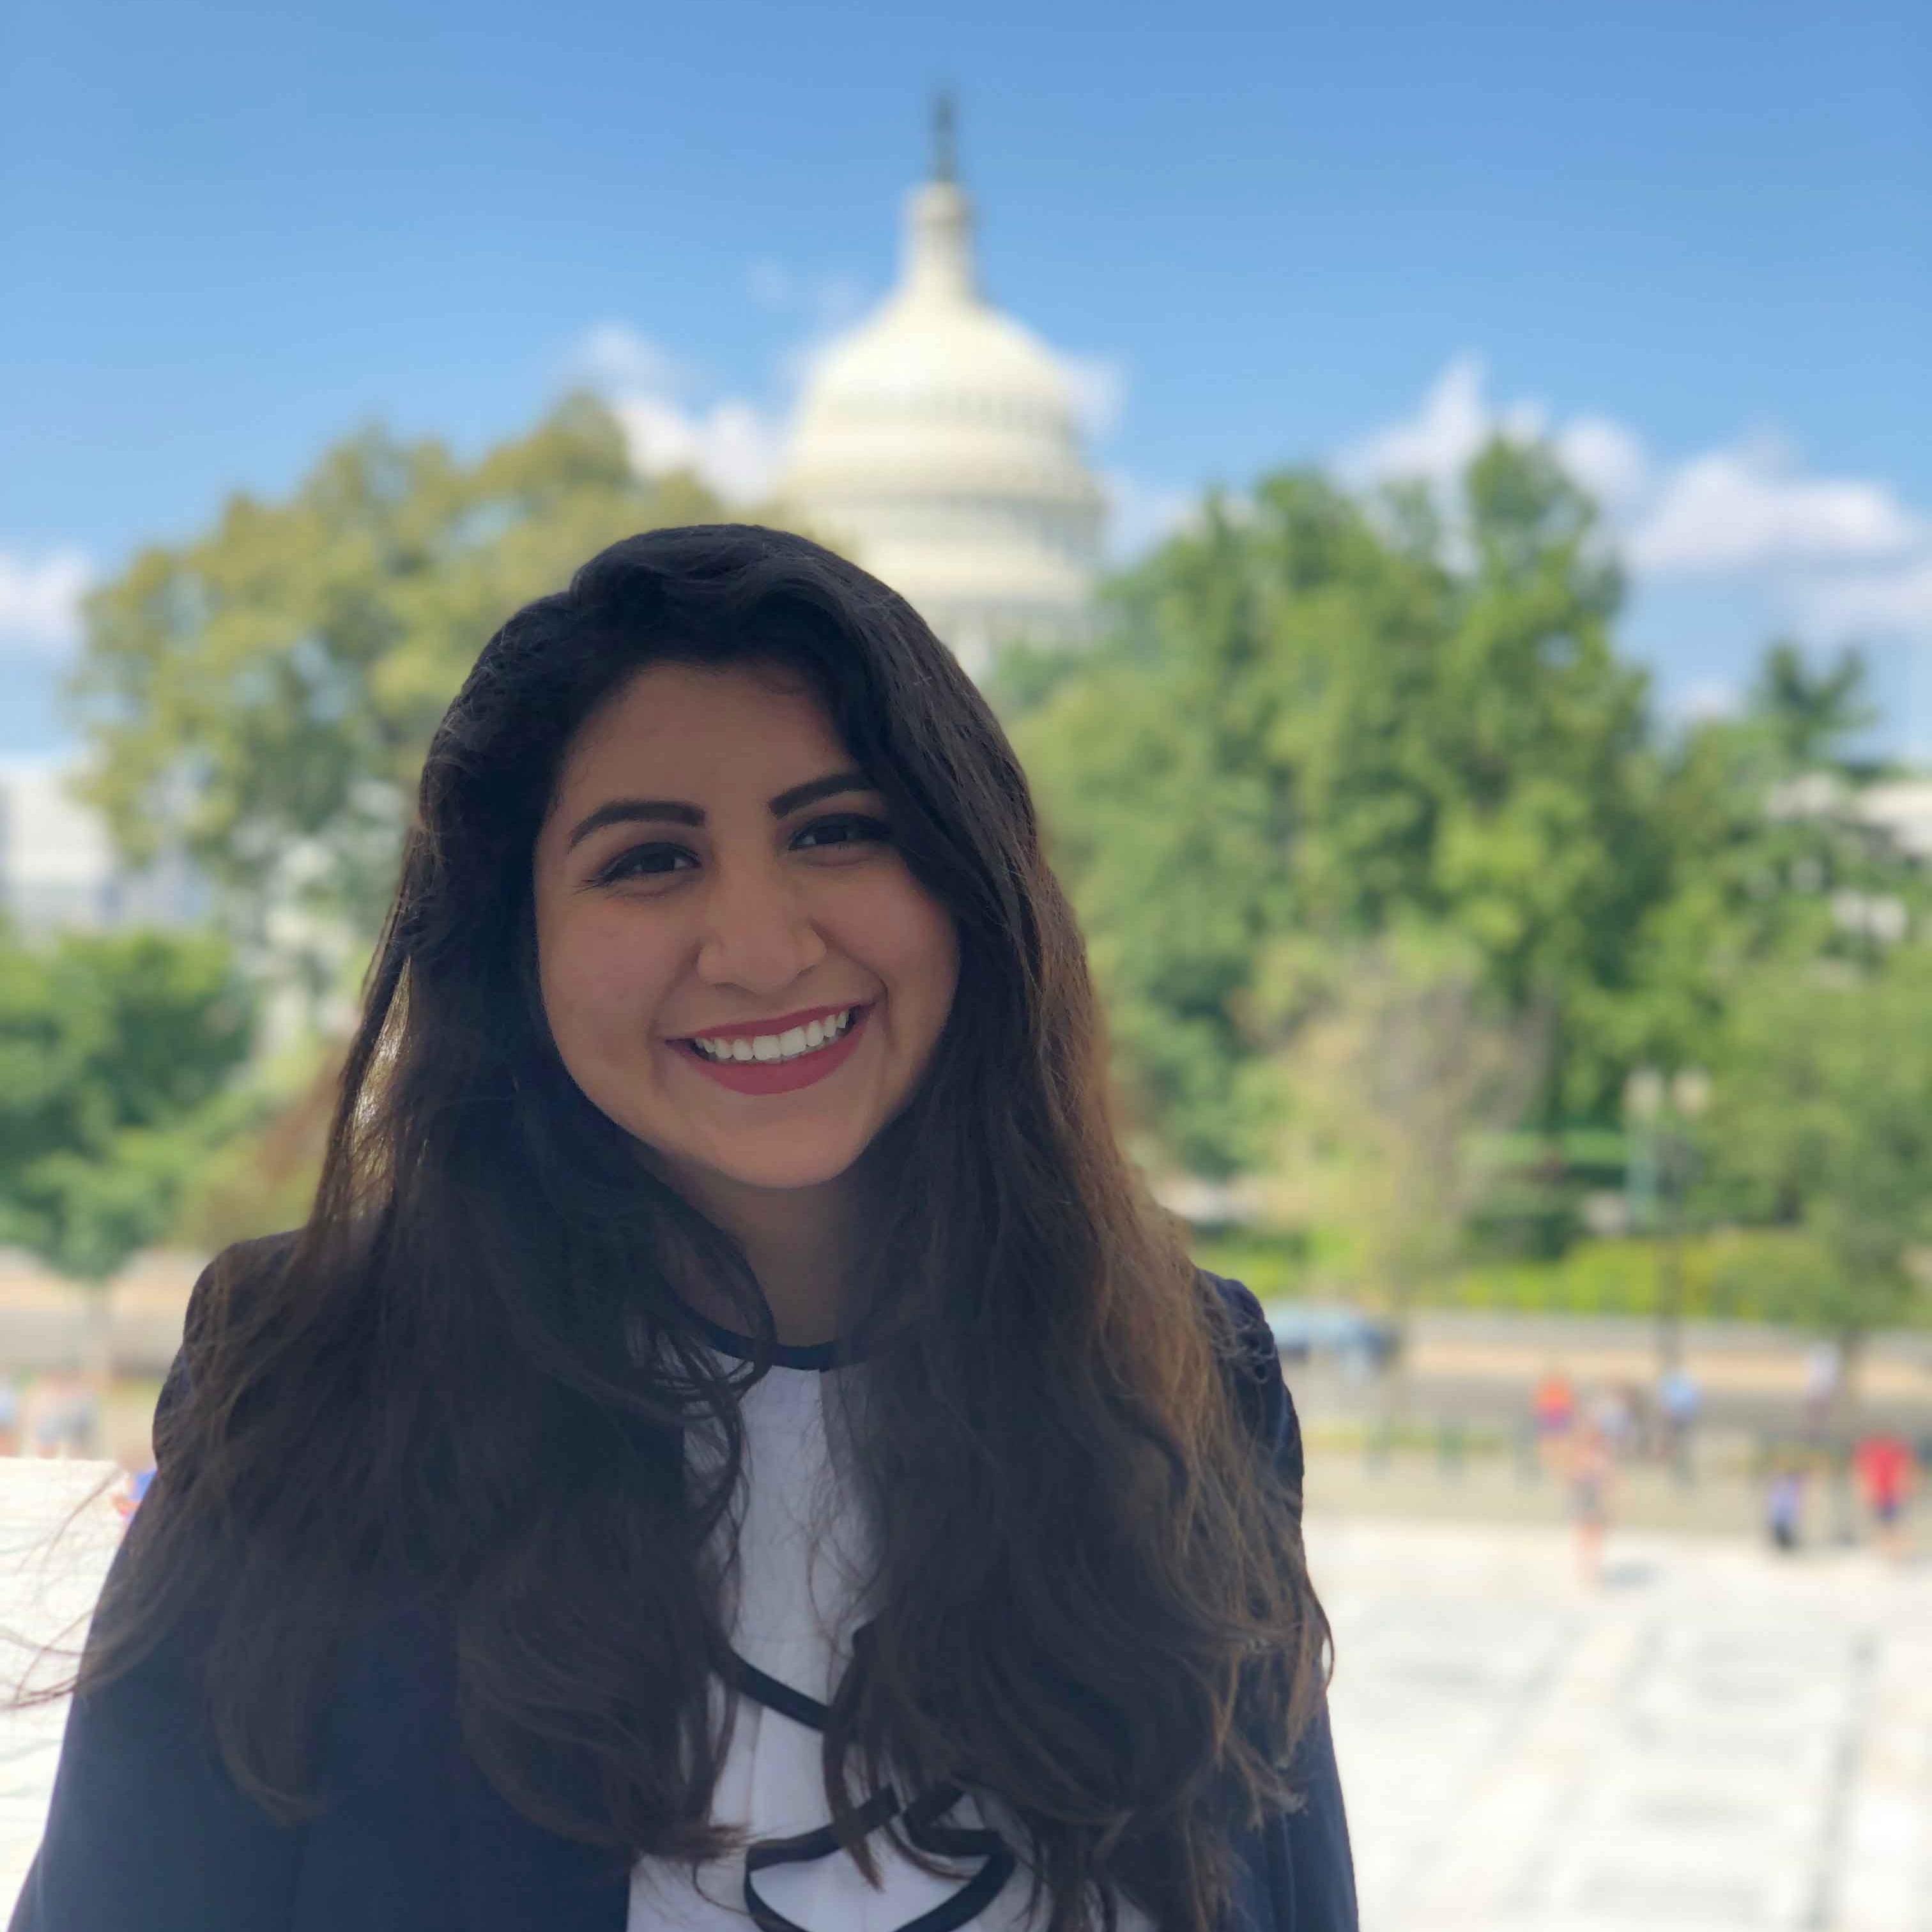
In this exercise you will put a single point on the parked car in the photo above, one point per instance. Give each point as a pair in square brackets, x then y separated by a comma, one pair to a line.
[1312, 1331]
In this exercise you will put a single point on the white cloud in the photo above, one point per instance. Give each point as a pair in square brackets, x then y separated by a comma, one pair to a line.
[673, 418]
[1435, 443]
[1895, 599]
[1833, 555]
[1455, 420]
[797, 360]
[835, 301]
[729, 441]
[732, 444]
[825, 305]
[826, 300]
[1707, 699]
[1750, 507]
[1607, 459]
[614, 356]
[40, 599]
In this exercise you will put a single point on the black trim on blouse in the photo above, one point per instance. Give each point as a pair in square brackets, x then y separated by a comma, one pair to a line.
[923, 1817]
[820, 1355]
[836, 1354]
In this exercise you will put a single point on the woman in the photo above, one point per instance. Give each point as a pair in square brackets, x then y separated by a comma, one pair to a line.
[732, 1444]
[1592, 1468]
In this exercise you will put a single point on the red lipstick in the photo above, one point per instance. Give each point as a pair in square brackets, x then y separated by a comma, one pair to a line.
[775, 1076]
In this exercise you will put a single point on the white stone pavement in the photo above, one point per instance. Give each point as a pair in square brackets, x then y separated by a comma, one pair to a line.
[48, 1584]
[1711, 1741]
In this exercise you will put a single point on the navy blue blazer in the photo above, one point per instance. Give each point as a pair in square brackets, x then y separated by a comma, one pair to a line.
[147, 1833]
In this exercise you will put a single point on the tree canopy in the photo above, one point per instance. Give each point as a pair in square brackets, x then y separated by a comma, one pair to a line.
[1823, 1118]
[1309, 718]
[117, 1052]
[260, 696]
[1320, 734]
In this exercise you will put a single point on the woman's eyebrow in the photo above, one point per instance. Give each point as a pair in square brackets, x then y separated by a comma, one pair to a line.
[813, 790]
[623, 810]
[618, 811]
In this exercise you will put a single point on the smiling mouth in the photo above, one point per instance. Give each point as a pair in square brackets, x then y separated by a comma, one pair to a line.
[777, 1049]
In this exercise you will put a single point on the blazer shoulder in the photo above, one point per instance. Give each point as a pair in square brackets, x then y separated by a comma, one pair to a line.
[240, 1271]
[1252, 1363]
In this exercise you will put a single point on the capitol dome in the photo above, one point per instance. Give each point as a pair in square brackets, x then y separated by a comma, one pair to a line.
[939, 442]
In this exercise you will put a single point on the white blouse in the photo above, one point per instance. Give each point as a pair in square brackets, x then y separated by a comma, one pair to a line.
[802, 1558]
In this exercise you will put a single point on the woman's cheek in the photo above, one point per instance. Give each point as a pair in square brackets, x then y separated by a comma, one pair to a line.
[613, 970]
[584, 995]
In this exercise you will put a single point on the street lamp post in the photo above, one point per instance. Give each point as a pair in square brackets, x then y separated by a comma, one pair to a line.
[1659, 1174]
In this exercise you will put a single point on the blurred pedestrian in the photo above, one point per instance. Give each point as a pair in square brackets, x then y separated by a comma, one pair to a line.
[1882, 1463]
[1824, 1370]
[1679, 1400]
[1617, 1414]
[134, 1487]
[1784, 1505]
[1552, 1409]
[1590, 1465]
[9, 1416]
[62, 1415]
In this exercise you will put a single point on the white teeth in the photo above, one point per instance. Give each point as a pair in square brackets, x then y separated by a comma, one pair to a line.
[786, 1046]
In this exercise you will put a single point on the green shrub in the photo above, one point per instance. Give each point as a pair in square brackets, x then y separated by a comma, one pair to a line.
[1731, 1274]
[1739, 1274]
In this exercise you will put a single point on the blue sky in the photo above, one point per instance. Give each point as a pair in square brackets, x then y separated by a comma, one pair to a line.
[1690, 242]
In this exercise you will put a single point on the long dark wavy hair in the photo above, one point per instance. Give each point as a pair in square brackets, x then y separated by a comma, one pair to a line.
[463, 1382]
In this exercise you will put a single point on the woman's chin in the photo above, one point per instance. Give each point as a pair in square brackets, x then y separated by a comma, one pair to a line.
[775, 1169]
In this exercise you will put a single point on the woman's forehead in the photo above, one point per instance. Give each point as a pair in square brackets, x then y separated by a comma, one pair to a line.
[715, 726]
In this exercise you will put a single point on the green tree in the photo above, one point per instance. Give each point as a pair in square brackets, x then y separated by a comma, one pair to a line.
[1765, 839]
[1393, 1061]
[1808, 714]
[1312, 715]
[117, 1056]
[1822, 1117]
[260, 696]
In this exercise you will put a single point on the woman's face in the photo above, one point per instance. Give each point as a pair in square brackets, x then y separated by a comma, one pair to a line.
[714, 867]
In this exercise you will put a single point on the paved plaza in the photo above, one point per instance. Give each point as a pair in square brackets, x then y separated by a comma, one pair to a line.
[1711, 1741]
[48, 1583]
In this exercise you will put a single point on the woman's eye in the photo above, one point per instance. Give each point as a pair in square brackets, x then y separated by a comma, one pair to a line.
[846, 831]
[642, 861]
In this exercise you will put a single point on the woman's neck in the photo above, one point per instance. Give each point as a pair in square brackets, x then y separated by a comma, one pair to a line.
[802, 1243]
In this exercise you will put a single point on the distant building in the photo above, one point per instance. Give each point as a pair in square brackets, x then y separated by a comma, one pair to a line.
[1895, 814]
[1894, 818]
[1901, 808]
[941, 440]
[58, 869]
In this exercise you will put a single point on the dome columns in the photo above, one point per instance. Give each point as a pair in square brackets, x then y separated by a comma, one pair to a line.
[938, 442]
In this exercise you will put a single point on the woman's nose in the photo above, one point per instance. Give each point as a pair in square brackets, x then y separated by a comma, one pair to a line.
[758, 932]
